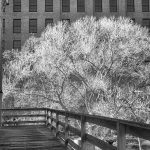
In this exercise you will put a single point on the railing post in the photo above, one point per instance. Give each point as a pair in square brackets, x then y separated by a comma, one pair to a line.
[121, 136]
[83, 132]
[57, 123]
[66, 130]
[51, 121]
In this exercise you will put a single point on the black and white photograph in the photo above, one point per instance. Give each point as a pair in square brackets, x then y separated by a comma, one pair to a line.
[74, 74]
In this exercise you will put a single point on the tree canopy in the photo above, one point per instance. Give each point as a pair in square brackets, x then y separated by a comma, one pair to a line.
[92, 66]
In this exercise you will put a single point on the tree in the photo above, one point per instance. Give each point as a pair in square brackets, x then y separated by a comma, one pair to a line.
[92, 66]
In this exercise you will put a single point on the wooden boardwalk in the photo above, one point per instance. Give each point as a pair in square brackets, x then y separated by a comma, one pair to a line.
[28, 138]
[13, 137]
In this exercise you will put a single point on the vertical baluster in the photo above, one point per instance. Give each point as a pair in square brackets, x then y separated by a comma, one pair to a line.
[66, 130]
[46, 117]
[57, 123]
[51, 120]
[47, 121]
[83, 132]
[1, 117]
[121, 136]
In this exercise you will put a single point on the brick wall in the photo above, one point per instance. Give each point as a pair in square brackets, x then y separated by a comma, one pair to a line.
[57, 15]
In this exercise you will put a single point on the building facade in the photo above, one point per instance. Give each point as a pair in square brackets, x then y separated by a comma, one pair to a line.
[25, 17]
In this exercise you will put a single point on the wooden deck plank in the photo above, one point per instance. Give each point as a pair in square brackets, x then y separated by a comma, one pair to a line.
[28, 138]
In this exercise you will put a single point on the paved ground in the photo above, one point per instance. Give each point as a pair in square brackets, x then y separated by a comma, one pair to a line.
[28, 138]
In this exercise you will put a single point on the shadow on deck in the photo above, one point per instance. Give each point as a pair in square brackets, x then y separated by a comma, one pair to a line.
[28, 138]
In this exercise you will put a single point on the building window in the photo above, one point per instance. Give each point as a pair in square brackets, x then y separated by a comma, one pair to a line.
[3, 9]
[3, 25]
[17, 44]
[33, 26]
[32, 5]
[48, 5]
[133, 19]
[98, 5]
[145, 5]
[65, 5]
[66, 20]
[17, 26]
[146, 22]
[17, 5]
[3, 45]
[130, 5]
[113, 5]
[80, 5]
[48, 21]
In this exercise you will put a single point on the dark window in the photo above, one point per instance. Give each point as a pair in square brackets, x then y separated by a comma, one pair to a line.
[98, 5]
[145, 5]
[3, 45]
[48, 21]
[32, 5]
[49, 5]
[3, 8]
[17, 26]
[80, 5]
[17, 44]
[17, 5]
[113, 5]
[33, 26]
[65, 5]
[3, 25]
[130, 5]
[133, 19]
[146, 22]
[66, 20]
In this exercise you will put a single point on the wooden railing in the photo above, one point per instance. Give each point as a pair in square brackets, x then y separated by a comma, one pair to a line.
[57, 118]
[121, 126]
[24, 116]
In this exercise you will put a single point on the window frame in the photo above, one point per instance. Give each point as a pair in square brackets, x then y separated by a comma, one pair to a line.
[3, 45]
[96, 7]
[65, 5]
[144, 19]
[80, 6]
[66, 20]
[16, 25]
[16, 6]
[32, 6]
[48, 21]
[113, 5]
[31, 26]
[19, 44]
[130, 5]
[145, 5]
[49, 7]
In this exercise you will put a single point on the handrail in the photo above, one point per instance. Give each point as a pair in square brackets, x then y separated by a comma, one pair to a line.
[52, 116]
[24, 109]
[122, 127]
